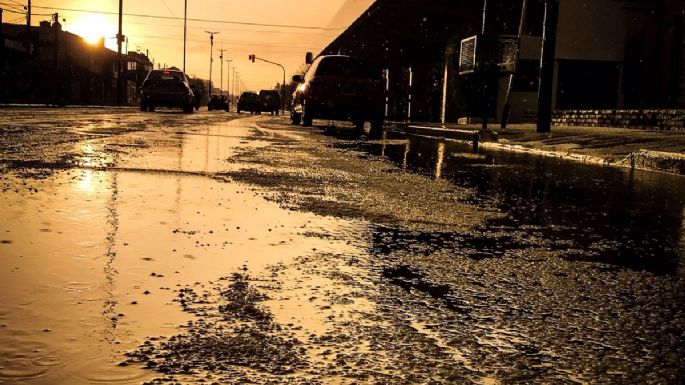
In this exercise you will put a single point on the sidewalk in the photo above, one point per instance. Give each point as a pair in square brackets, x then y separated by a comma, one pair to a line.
[650, 150]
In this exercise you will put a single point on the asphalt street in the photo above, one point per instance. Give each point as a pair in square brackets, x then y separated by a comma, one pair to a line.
[223, 248]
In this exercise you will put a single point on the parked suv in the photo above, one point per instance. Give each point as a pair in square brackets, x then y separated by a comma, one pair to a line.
[218, 102]
[249, 101]
[167, 88]
[270, 101]
[341, 88]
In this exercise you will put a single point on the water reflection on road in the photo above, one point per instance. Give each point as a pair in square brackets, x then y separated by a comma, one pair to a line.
[628, 218]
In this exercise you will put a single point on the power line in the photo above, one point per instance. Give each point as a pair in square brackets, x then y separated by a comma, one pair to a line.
[13, 7]
[252, 43]
[167, 7]
[16, 2]
[200, 27]
[197, 20]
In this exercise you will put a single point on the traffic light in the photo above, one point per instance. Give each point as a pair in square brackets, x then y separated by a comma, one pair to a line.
[252, 58]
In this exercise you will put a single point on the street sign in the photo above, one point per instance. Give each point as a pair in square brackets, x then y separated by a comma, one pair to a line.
[480, 53]
[467, 55]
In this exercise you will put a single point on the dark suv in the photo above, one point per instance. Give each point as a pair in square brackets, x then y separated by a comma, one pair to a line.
[167, 88]
[249, 101]
[340, 88]
[218, 102]
[270, 101]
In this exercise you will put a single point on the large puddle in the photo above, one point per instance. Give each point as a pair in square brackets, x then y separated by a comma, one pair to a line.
[92, 259]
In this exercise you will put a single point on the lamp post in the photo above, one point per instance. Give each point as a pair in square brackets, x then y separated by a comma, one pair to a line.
[211, 59]
[185, 32]
[235, 83]
[221, 73]
[120, 38]
[228, 78]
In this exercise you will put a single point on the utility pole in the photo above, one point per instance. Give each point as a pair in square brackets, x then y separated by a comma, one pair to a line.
[211, 59]
[233, 89]
[185, 32]
[522, 29]
[55, 75]
[228, 78]
[120, 38]
[549, 43]
[221, 81]
[236, 78]
[485, 72]
[29, 63]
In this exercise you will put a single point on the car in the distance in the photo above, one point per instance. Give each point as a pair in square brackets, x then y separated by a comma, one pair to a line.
[218, 102]
[270, 101]
[167, 88]
[249, 101]
[340, 87]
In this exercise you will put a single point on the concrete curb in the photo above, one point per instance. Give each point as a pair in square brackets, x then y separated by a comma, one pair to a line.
[668, 162]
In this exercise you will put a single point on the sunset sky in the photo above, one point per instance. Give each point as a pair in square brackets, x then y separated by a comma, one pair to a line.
[164, 37]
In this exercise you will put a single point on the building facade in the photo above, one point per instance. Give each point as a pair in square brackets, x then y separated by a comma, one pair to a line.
[610, 54]
[47, 65]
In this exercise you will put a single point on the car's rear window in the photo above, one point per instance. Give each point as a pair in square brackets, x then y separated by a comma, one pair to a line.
[347, 66]
[165, 75]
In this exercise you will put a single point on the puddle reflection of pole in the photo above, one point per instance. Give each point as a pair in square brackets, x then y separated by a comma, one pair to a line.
[179, 189]
[109, 313]
[406, 155]
[207, 150]
[440, 160]
[681, 260]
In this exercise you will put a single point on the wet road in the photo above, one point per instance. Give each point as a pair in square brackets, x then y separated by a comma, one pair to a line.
[216, 248]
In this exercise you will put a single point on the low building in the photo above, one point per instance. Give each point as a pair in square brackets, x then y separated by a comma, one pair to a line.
[62, 68]
[611, 54]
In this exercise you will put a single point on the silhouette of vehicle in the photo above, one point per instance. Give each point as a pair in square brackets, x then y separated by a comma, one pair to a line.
[249, 101]
[270, 101]
[340, 87]
[167, 88]
[218, 102]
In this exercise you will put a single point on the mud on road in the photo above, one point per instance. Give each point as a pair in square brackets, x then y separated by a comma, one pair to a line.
[391, 275]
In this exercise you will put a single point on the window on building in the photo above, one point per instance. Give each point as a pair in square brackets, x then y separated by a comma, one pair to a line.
[132, 66]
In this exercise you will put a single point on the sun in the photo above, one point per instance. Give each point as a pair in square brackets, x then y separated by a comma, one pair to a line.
[93, 27]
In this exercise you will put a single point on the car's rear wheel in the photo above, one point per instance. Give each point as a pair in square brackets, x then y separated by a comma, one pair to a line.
[376, 128]
[295, 118]
[359, 126]
[209, 107]
[143, 106]
[151, 108]
[307, 118]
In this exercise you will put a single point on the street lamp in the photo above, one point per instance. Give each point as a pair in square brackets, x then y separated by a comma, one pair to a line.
[228, 78]
[185, 32]
[221, 73]
[211, 59]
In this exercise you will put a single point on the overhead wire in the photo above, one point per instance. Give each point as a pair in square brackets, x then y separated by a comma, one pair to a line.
[190, 19]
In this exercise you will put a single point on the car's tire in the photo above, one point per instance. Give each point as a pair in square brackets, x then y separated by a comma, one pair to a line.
[188, 109]
[143, 106]
[151, 108]
[359, 127]
[376, 129]
[307, 118]
[295, 118]
[209, 107]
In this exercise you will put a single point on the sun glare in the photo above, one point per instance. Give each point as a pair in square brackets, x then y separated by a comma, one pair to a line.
[93, 27]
